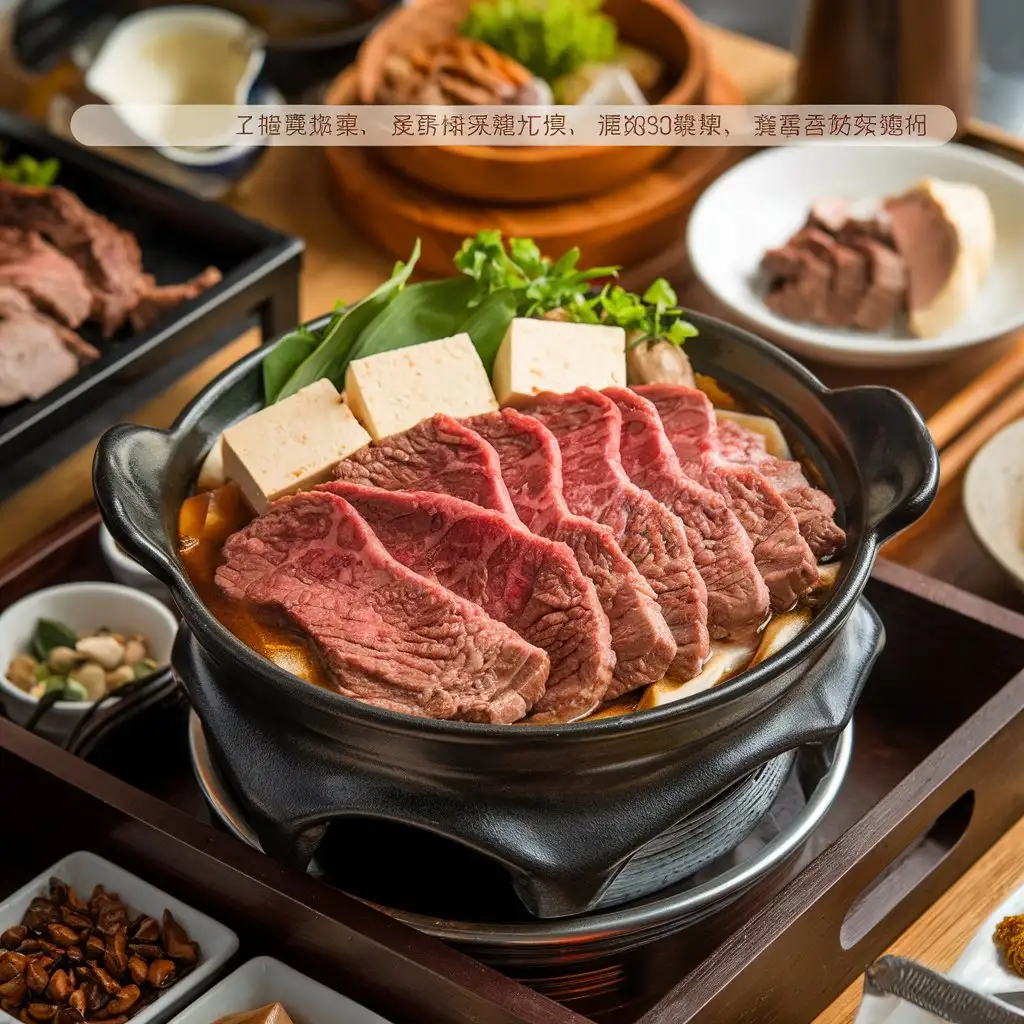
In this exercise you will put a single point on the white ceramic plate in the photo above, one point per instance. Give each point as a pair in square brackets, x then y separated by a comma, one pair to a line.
[83, 871]
[263, 981]
[127, 571]
[761, 202]
[994, 499]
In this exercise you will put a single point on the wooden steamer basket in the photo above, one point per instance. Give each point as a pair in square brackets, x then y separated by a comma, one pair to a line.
[536, 174]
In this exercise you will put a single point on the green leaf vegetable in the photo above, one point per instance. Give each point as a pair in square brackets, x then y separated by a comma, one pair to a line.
[538, 284]
[497, 283]
[49, 634]
[27, 170]
[655, 314]
[298, 362]
[550, 38]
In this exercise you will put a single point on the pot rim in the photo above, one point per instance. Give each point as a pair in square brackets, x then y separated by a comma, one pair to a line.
[822, 628]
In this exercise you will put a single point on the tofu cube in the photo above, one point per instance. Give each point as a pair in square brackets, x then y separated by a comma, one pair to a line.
[292, 445]
[551, 355]
[393, 391]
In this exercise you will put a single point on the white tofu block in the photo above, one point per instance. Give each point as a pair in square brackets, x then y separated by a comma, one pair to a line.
[393, 391]
[551, 355]
[211, 473]
[292, 445]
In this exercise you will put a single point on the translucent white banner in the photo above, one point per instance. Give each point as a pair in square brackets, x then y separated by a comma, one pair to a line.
[215, 127]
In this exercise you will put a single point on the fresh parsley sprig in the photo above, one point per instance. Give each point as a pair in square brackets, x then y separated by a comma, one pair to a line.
[27, 170]
[538, 284]
[653, 315]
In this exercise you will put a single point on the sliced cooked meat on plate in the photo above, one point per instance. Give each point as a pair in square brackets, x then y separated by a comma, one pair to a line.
[391, 637]
[531, 466]
[52, 281]
[737, 595]
[528, 582]
[781, 554]
[595, 485]
[440, 454]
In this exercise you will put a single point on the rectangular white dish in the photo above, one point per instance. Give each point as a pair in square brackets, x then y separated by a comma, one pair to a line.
[265, 980]
[83, 871]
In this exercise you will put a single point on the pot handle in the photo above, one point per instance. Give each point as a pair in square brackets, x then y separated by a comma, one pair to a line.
[895, 454]
[127, 470]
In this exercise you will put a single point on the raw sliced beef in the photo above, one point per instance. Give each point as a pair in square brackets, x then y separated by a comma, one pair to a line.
[392, 638]
[781, 554]
[531, 466]
[439, 454]
[813, 508]
[595, 485]
[52, 281]
[737, 595]
[528, 582]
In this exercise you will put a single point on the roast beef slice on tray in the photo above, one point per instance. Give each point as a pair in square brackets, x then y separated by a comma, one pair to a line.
[781, 555]
[528, 582]
[531, 467]
[391, 637]
[587, 427]
[108, 257]
[54, 283]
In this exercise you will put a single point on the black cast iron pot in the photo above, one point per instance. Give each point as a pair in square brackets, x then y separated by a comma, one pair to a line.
[562, 807]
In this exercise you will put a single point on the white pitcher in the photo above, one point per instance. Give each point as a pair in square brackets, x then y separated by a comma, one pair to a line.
[179, 55]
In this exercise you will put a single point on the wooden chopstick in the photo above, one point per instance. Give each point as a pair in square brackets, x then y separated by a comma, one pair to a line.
[959, 433]
[962, 410]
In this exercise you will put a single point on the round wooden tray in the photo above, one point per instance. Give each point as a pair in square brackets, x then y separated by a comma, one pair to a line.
[534, 174]
[623, 227]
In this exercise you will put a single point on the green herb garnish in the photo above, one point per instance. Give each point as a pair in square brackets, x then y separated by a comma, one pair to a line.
[550, 38]
[27, 170]
[655, 314]
[538, 284]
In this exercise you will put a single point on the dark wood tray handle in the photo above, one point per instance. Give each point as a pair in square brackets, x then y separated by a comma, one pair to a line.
[898, 463]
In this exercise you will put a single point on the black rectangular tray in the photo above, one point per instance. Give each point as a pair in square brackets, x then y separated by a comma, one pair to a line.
[179, 236]
[935, 779]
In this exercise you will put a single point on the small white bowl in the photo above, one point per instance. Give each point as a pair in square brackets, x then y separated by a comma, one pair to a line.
[761, 202]
[263, 981]
[126, 570]
[83, 871]
[994, 499]
[84, 607]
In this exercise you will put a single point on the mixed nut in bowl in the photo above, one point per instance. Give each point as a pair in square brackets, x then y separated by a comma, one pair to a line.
[86, 640]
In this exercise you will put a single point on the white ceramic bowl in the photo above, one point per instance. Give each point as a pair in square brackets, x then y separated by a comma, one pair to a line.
[84, 607]
[126, 570]
[263, 981]
[994, 499]
[83, 871]
[761, 202]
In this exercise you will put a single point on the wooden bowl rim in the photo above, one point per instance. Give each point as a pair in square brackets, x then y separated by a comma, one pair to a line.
[693, 77]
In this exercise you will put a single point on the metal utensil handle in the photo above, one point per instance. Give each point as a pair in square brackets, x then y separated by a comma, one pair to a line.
[934, 992]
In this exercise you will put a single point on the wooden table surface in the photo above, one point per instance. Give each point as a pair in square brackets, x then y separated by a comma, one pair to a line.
[290, 190]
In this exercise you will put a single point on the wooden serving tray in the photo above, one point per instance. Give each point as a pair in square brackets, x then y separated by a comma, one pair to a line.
[931, 786]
